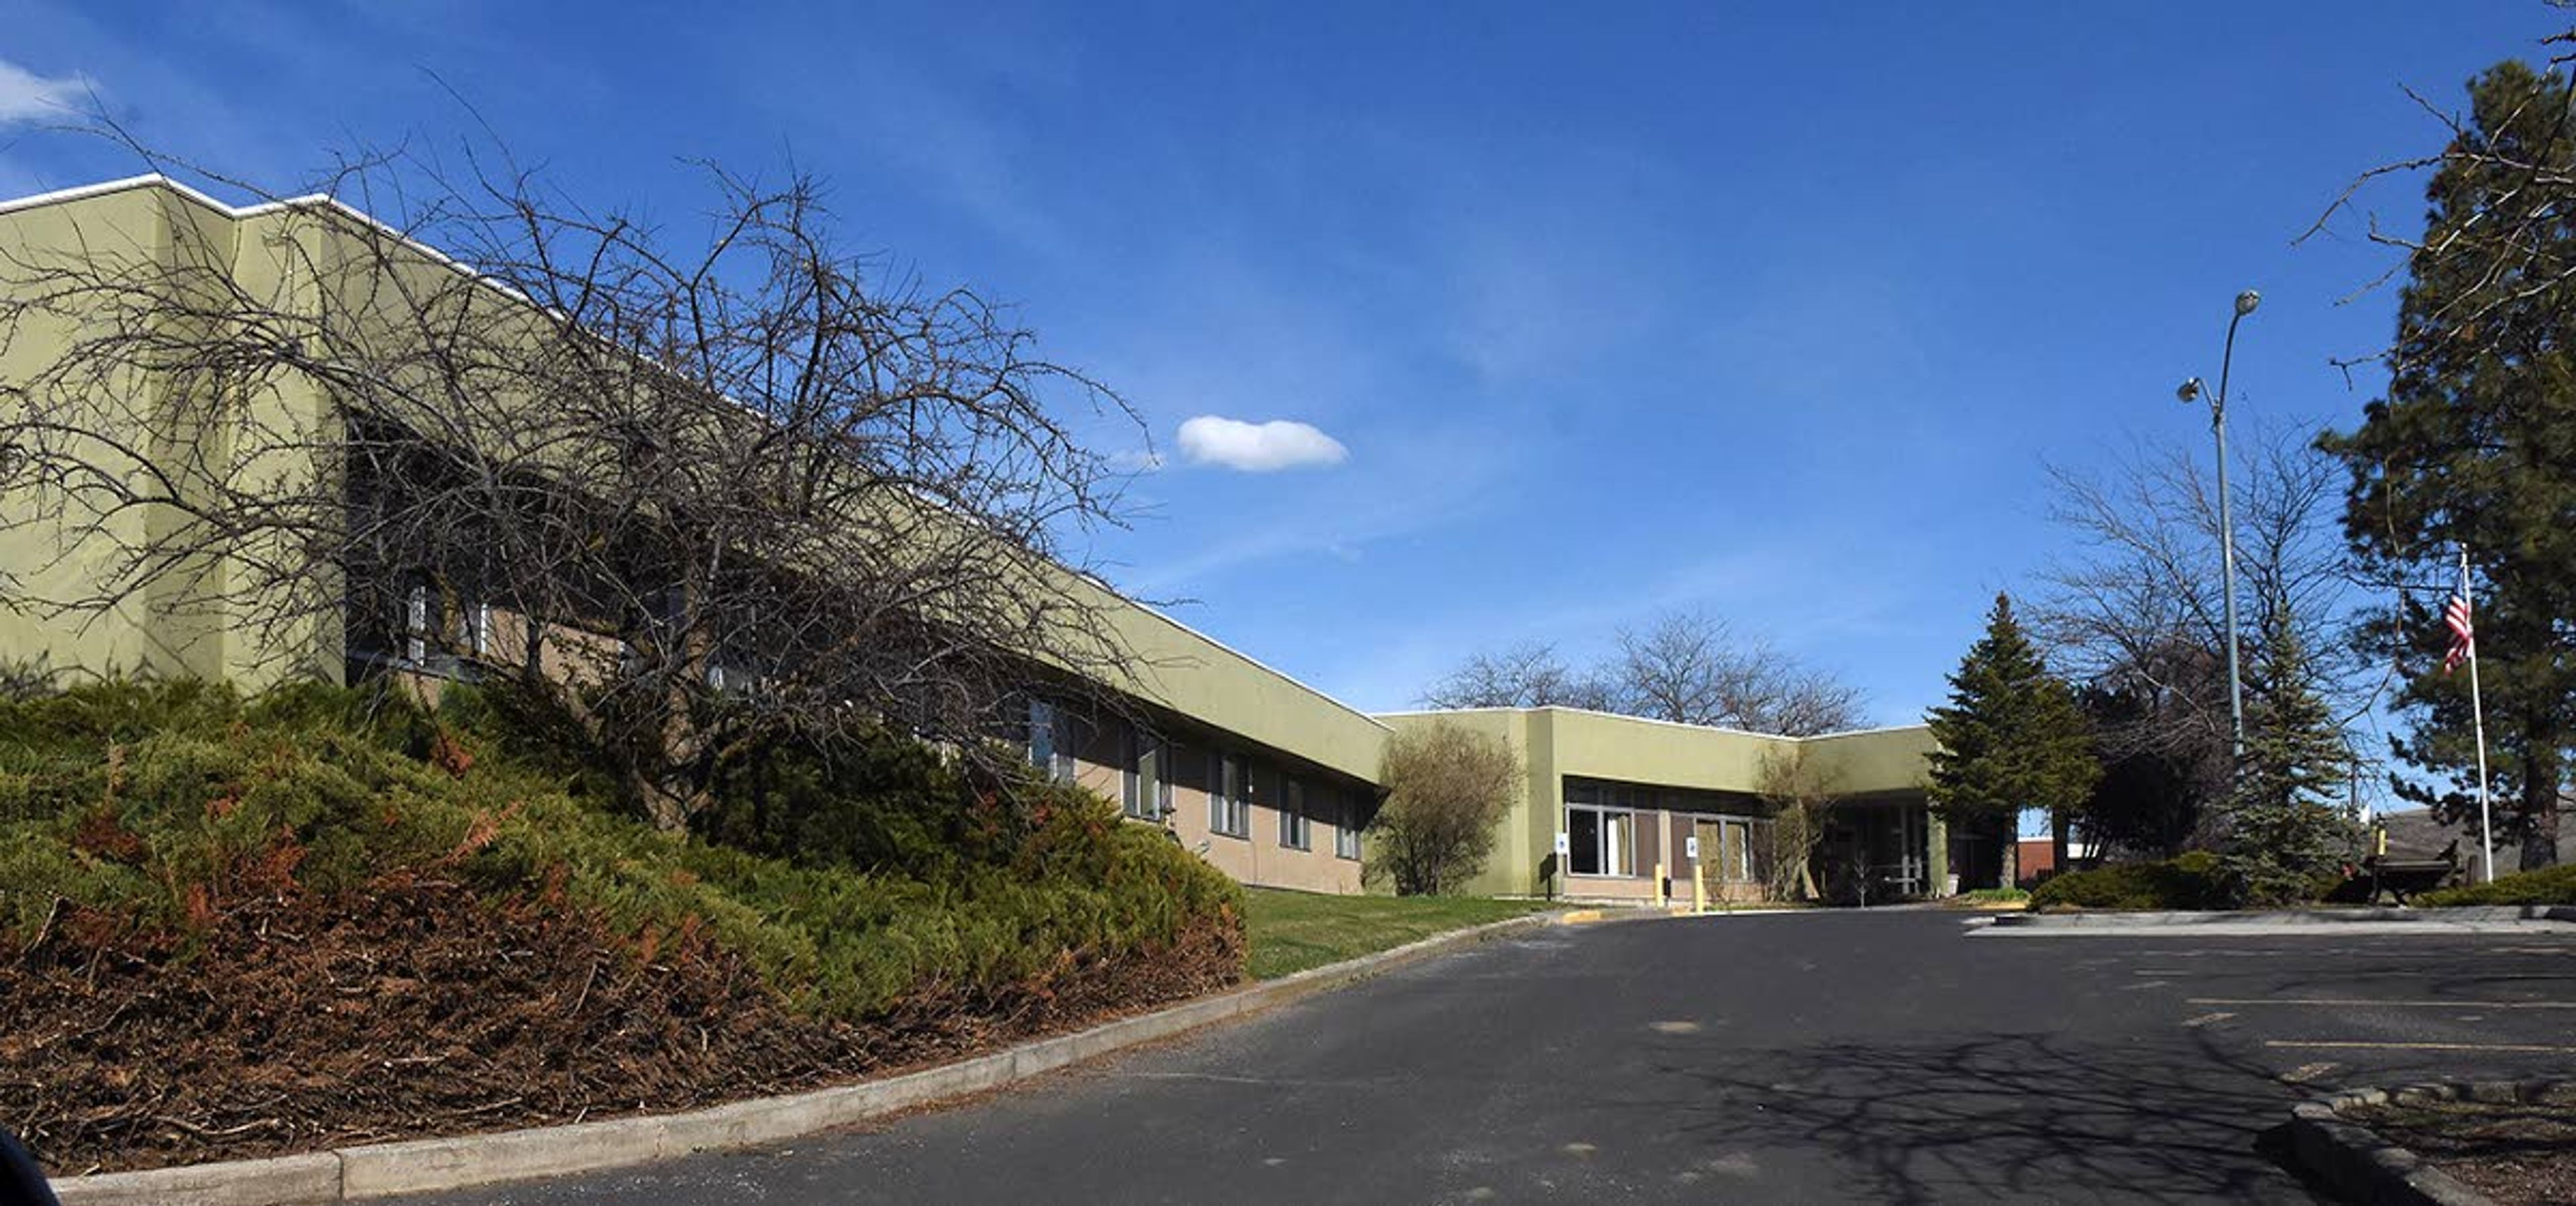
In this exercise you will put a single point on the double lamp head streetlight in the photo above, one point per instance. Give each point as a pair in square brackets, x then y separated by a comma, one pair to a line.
[2190, 389]
[2190, 392]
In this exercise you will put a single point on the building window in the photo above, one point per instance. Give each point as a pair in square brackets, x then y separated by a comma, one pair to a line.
[1735, 850]
[1296, 831]
[1048, 749]
[416, 624]
[1144, 787]
[478, 629]
[1603, 840]
[1229, 805]
[1131, 781]
[1167, 760]
[1346, 834]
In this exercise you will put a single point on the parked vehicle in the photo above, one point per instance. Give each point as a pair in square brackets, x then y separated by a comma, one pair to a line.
[21, 1182]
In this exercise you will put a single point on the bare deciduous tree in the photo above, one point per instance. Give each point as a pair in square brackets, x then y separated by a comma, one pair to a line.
[2136, 614]
[1691, 668]
[1527, 675]
[1686, 667]
[700, 485]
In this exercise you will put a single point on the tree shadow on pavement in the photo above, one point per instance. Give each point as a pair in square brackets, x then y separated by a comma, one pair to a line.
[2005, 1116]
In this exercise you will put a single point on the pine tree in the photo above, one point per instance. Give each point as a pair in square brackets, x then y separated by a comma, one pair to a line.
[2475, 444]
[2012, 736]
[2285, 828]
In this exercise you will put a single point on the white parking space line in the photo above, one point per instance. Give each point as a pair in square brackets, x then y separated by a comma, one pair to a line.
[2565, 951]
[2370, 1002]
[2341, 1045]
[2307, 1072]
[2207, 1018]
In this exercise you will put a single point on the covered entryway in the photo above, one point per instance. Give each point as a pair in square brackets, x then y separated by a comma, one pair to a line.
[1875, 851]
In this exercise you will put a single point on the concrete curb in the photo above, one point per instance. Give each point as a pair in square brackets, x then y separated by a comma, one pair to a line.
[2430, 918]
[2363, 1167]
[379, 1170]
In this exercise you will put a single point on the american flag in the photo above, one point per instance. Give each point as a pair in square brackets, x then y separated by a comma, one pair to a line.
[2455, 615]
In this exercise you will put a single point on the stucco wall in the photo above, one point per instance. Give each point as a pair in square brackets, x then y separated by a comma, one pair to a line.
[203, 621]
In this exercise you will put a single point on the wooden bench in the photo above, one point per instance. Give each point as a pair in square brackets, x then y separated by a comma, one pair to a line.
[2401, 878]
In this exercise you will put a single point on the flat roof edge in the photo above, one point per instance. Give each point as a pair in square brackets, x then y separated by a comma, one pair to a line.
[1674, 724]
[64, 196]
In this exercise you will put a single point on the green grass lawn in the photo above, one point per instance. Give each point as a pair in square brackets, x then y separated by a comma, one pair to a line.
[1293, 931]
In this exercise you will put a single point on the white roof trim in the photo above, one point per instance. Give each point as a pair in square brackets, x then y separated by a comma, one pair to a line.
[155, 179]
[1885, 728]
[257, 210]
[86, 191]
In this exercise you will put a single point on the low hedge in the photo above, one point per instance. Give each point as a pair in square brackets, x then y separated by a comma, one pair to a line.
[2547, 886]
[149, 809]
[2191, 881]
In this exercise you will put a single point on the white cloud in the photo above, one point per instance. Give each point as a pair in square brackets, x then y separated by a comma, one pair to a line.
[1258, 447]
[1135, 460]
[26, 96]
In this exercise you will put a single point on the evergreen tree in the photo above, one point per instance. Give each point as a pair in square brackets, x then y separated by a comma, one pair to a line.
[2475, 444]
[2012, 736]
[2285, 827]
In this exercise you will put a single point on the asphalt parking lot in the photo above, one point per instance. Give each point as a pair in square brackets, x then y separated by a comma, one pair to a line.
[2330, 1011]
[1887, 1056]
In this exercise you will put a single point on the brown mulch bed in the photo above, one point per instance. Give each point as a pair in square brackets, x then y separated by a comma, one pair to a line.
[2520, 1154]
[297, 1025]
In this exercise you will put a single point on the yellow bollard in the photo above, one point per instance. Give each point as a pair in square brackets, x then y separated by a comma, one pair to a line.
[1699, 892]
[1659, 886]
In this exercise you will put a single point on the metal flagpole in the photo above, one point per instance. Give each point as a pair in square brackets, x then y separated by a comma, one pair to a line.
[2478, 713]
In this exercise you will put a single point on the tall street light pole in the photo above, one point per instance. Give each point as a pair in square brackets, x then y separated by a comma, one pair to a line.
[2190, 392]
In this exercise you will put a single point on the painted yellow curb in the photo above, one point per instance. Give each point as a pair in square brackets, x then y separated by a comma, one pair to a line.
[1579, 916]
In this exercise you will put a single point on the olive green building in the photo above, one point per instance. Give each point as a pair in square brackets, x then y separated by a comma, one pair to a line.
[1269, 779]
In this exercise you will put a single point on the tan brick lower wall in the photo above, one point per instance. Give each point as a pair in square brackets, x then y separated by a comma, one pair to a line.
[1258, 857]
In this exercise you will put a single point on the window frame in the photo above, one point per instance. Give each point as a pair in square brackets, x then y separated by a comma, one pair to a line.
[479, 639]
[1141, 796]
[1167, 760]
[1296, 829]
[1346, 832]
[417, 617]
[1229, 796]
[1048, 747]
[1601, 844]
[1131, 777]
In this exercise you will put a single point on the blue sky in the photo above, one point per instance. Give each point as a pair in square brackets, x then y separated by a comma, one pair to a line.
[1762, 310]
